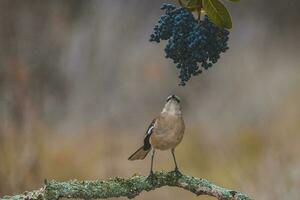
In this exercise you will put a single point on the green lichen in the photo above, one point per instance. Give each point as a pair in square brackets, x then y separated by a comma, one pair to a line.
[120, 187]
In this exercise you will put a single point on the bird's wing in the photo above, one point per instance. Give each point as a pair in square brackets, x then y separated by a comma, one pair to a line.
[149, 131]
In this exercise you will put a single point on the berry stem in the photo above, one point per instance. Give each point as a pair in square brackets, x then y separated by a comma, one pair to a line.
[199, 16]
[180, 3]
[199, 8]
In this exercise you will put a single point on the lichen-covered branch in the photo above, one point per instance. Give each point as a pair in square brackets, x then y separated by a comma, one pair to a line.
[120, 187]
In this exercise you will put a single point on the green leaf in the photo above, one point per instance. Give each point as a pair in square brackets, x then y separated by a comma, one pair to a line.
[193, 5]
[217, 13]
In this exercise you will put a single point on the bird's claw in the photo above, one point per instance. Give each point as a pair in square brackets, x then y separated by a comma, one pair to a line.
[151, 177]
[177, 172]
[151, 174]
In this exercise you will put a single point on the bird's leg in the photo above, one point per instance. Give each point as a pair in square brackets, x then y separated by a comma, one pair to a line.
[151, 177]
[176, 167]
[173, 154]
[152, 158]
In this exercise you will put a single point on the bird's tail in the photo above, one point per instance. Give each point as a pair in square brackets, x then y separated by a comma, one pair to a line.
[140, 154]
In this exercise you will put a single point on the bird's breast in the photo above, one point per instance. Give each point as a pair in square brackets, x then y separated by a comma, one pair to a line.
[168, 132]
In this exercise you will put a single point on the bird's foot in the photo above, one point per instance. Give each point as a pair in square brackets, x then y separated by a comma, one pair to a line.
[151, 175]
[151, 178]
[177, 172]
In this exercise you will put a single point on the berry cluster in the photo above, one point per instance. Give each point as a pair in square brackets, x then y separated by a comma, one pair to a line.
[191, 43]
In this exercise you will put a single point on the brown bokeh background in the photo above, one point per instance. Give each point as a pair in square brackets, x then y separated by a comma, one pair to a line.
[79, 84]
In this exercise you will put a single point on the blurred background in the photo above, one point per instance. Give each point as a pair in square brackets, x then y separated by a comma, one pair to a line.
[80, 83]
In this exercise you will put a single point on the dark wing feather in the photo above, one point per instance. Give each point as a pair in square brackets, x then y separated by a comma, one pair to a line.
[149, 132]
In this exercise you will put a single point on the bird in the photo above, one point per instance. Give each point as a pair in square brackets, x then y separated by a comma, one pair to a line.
[165, 132]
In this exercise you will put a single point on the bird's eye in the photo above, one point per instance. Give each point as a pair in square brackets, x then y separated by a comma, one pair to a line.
[169, 98]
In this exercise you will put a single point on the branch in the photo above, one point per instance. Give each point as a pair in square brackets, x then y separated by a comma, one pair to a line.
[132, 187]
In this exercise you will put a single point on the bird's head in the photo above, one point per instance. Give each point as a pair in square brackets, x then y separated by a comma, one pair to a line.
[172, 105]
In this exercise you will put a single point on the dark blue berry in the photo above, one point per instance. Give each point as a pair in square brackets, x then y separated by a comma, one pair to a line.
[190, 43]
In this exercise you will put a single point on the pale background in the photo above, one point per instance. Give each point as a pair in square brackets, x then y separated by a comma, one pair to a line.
[79, 84]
